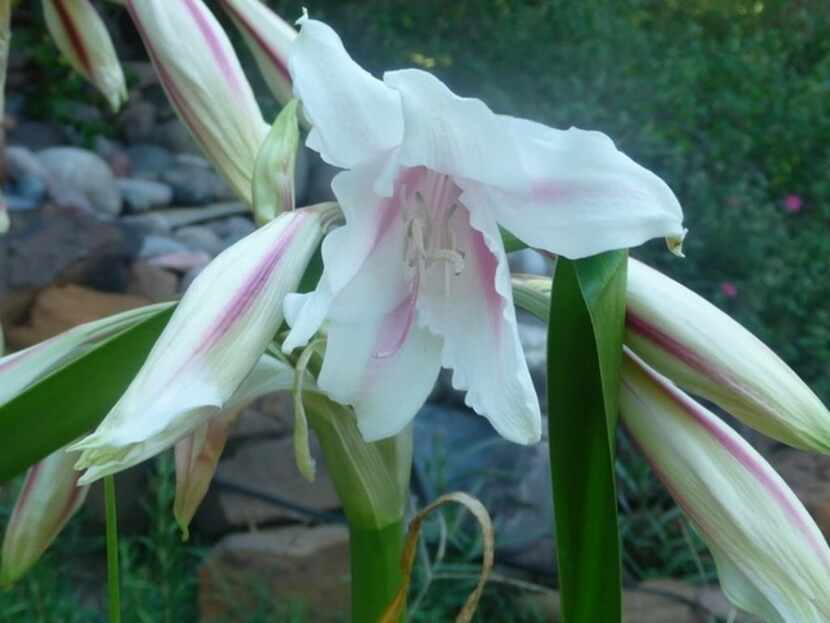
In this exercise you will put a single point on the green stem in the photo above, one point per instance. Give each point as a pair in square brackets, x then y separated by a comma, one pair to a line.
[112, 551]
[376, 570]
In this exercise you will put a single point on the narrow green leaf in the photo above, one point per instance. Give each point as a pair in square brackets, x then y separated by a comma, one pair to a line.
[585, 333]
[73, 400]
[510, 241]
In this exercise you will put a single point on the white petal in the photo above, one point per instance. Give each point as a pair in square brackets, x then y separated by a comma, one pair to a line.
[82, 37]
[454, 135]
[478, 323]
[354, 116]
[363, 260]
[269, 38]
[385, 370]
[218, 332]
[582, 196]
[769, 550]
[205, 83]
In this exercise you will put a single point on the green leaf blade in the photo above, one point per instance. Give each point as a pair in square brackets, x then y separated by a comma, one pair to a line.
[72, 401]
[585, 332]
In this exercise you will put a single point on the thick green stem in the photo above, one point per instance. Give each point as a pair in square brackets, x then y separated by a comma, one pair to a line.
[376, 570]
[113, 586]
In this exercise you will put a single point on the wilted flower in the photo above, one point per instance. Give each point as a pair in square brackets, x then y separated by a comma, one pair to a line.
[418, 277]
[80, 34]
[772, 559]
[219, 330]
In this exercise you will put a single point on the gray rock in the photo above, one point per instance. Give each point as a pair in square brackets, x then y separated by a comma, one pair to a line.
[79, 178]
[154, 246]
[138, 120]
[470, 456]
[27, 176]
[114, 154]
[233, 229]
[528, 261]
[200, 238]
[36, 135]
[173, 218]
[16, 204]
[195, 185]
[176, 137]
[142, 195]
[148, 161]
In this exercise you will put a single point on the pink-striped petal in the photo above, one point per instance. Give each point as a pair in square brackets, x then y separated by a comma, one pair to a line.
[49, 498]
[205, 83]
[772, 558]
[80, 34]
[269, 38]
[220, 329]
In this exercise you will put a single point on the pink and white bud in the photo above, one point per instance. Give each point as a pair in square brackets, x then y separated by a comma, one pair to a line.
[24, 368]
[80, 34]
[268, 37]
[220, 329]
[48, 500]
[703, 350]
[197, 454]
[205, 83]
[772, 559]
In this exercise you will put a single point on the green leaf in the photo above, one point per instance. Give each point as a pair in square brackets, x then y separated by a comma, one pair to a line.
[72, 401]
[587, 313]
[510, 241]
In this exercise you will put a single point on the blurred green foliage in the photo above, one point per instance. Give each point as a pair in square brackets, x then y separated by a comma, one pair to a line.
[728, 100]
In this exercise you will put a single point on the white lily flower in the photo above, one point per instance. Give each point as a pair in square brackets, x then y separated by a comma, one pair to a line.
[49, 498]
[198, 454]
[24, 368]
[205, 83]
[418, 277]
[709, 354]
[218, 332]
[269, 38]
[80, 34]
[772, 559]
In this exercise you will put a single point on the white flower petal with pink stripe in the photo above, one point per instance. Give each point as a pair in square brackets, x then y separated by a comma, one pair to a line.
[218, 332]
[709, 354]
[268, 37]
[80, 34]
[49, 498]
[772, 559]
[205, 83]
[418, 276]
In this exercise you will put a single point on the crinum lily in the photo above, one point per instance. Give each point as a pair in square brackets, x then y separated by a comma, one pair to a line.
[418, 277]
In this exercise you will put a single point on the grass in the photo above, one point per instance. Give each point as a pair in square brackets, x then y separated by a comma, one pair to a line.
[160, 579]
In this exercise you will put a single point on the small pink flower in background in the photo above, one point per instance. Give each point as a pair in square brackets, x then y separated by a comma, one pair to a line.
[729, 289]
[793, 204]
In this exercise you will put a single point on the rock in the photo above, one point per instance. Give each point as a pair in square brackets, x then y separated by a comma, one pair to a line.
[195, 185]
[268, 467]
[155, 246]
[189, 262]
[143, 195]
[51, 244]
[140, 74]
[148, 161]
[27, 179]
[170, 219]
[200, 238]
[138, 120]
[466, 447]
[809, 477]
[234, 229]
[81, 179]
[153, 283]
[36, 135]
[61, 307]
[528, 261]
[176, 137]
[272, 569]
[114, 154]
